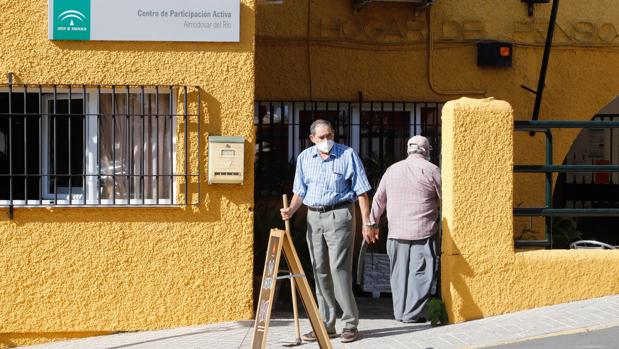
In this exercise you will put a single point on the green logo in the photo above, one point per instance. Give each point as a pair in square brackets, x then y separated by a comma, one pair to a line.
[71, 20]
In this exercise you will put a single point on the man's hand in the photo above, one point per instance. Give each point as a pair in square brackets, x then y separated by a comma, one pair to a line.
[370, 235]
[286, 213]
[295, 203]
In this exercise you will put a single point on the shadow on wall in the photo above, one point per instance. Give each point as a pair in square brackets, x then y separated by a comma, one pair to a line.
[267, 217]
[17, 339]
[239, 194]
[456, 270]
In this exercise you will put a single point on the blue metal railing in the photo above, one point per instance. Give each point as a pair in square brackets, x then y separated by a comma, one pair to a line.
[545, 126]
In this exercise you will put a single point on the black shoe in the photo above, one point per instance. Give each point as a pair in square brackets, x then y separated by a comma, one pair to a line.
[349, 335]
[311, 336]
[420, 320]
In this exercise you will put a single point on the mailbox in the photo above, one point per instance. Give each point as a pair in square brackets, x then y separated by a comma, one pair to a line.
[226, 159]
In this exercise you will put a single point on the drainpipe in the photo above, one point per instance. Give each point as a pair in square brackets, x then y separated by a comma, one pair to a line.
[542, 74]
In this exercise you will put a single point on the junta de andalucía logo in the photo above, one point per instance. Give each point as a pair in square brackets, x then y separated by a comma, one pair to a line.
[71, 20]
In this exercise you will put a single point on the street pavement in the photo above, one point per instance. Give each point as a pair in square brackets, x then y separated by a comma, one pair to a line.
[378, 330]
[601, 339]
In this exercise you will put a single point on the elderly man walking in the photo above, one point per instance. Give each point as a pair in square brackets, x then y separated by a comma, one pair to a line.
[410, 191]
[329, 178]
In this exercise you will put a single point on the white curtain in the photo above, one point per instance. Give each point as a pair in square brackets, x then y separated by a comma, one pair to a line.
[135, 147]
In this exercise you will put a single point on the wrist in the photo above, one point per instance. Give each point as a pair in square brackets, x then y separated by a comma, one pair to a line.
[372, 225]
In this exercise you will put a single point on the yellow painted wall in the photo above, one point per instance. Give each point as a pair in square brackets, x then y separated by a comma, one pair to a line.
[382, 51]
[323, 50]
[72, 272]
[482, 274]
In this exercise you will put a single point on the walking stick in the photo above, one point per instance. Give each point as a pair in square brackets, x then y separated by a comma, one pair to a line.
[293, 288]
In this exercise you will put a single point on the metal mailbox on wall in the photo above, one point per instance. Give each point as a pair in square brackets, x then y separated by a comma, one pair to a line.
[226, 159]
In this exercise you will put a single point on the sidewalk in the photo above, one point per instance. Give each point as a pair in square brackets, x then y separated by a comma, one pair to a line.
[377, 330]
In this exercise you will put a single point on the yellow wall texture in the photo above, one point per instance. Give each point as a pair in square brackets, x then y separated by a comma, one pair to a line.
[323, 50]
[482, 274]
[71, 272]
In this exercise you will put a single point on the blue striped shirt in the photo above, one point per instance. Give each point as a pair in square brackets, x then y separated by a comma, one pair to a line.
[338, 178]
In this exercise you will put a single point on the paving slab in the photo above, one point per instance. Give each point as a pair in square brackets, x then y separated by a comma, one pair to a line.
[377, 330]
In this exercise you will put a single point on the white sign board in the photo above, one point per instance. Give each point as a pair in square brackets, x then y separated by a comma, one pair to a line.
[145, 20]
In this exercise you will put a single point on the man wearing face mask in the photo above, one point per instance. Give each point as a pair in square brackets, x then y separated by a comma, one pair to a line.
[329, 178]
[410, 191]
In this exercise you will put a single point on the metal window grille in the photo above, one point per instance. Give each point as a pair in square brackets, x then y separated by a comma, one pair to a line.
[595, 146]
[377, 131]
[97, 145]
[549, 211]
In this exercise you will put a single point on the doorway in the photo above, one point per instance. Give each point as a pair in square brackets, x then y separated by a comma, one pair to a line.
[378, 131]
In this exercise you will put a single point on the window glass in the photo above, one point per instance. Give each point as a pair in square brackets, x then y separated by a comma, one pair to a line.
[65, 158]
[135, 146]
[19, 146]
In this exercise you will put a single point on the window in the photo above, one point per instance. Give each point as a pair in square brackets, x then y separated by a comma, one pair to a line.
[377, 131]
[63, 147]
[136, 144]
[95, 145]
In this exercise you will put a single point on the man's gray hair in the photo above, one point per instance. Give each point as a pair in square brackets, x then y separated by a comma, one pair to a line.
[419, 145]
[320, 122]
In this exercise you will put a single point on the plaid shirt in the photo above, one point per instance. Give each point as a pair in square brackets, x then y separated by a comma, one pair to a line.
[410, 190]
[338, 178]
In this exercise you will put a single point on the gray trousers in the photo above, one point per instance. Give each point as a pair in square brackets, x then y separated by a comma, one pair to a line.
[412, 274]
[330, 240]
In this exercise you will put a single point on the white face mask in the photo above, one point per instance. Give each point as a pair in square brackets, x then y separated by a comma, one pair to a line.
[325, 146]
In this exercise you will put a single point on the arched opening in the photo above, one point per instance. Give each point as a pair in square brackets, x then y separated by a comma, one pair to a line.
[594, 146]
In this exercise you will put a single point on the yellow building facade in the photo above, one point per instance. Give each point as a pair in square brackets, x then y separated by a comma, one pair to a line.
[385, 52]
[77, 271]
[81, 271]
[322, 50]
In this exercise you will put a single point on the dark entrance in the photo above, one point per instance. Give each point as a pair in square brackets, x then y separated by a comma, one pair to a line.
[595, 190]
[377, 131]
